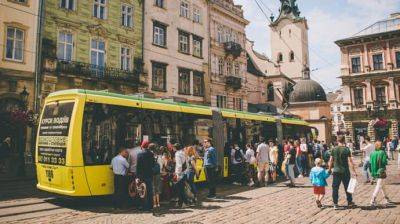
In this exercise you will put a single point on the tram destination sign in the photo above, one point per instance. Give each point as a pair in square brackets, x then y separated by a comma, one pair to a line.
[53, 133]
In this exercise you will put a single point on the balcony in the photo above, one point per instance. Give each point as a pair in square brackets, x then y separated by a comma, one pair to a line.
[233, 48]
[90, 71]
[233, 82]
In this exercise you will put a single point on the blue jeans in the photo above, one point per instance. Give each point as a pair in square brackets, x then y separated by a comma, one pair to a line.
[339, 178]
[190, 179]
[367, 170]
[299, 164]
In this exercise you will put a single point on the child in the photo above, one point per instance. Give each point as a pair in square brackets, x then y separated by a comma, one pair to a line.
[318, 178]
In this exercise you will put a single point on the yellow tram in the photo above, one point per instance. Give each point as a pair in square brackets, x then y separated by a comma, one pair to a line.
[80, 130]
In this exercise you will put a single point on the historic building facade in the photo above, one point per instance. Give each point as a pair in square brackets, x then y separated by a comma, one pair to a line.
[336, 100]
[18, 41]
[371, 80]
[227, 82]
[176, 49]
[94, 44]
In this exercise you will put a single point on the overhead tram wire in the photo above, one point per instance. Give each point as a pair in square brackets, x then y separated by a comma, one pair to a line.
[287, 45]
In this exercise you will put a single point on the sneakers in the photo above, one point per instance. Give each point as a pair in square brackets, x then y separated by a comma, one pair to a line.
[336, 207]
[388, 201]
[236, 183]
[319, 205]
[300, 176]
[351, 205]
[211, 196]
[373, 204]
[251, 184]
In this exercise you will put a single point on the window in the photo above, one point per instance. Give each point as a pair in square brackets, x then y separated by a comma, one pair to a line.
[67, 4]
[237, 69]
[356, 65]
[21, 1]
[237, 104]
[227, 36]
[221, 101]
[280, 57]
[234, 37]
[126, 58]
[126, 16]
[196, 15]
[159, 3]
[338, 108]
[198, 83]
[220, 34]
[378, 61]
[291, 55]
[197, 46]
[159, 72]
[229, 68]
[159, 34]
[380, 92]
[65, 46]
[358, 97]
[184, 12]
[15, 44]
[398, 59]
[99, 9]
[97, 53]
[184, 81]
[220, 66]
[184, 42]
[270, 92]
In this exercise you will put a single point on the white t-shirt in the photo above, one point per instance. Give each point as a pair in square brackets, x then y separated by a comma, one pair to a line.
[368, 149]
[263, 153]
[249, 155]
[303, 147]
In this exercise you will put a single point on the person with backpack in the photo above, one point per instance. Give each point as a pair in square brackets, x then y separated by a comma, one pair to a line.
[237, 160]
[157, 187]
[339, 165]
[379, 161]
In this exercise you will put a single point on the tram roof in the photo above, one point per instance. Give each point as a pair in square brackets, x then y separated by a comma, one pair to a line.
[162, 104]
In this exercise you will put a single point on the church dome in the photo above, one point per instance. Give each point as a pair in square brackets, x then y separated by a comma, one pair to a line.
[307, 90]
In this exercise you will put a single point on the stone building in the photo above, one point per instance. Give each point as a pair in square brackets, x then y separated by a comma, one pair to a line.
[176, 48]
[336, 100]
[228, 59]
[18, 41]
[92, 44]
[371, 80]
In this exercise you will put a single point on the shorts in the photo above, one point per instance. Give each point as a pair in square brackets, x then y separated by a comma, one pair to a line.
[157, 184]
[319, 190]
[262, 167]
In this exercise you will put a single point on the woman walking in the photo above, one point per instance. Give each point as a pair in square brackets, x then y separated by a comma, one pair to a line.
[378, 160]
[192, 171]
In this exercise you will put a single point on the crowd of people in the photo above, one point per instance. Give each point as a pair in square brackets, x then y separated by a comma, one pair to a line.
[148, 172]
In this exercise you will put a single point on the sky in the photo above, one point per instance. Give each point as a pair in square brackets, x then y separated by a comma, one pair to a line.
[328, 21]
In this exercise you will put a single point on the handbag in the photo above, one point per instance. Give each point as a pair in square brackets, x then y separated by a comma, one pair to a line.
[382, 174]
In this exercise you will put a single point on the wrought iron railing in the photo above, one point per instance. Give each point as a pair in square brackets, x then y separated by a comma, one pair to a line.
[233, 48]
[234, 82]
[94, 71]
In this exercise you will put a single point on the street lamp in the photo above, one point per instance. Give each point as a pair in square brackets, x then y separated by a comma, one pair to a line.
[24, 97]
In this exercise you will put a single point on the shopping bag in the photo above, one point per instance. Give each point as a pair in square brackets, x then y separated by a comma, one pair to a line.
[352, 185]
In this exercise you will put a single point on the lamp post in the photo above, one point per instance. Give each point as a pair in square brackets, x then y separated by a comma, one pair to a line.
[24, 98]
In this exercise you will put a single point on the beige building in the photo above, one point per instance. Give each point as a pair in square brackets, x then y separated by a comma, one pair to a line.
[176, 48]
[336, 100]
[18, 23]
[228, 58]
[371, 80]
[289, 40]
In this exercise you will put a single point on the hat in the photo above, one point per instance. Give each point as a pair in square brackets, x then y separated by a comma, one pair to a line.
[145, 144]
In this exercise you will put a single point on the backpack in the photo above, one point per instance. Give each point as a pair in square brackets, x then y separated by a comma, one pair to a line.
[238, 155]
[156, 168]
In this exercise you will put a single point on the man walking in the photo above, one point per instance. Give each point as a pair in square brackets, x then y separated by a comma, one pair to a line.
[144, 169]
[120, 166]
[180, 169]
[262, 161]
[211, 167]
[339, 164]
[367, 150]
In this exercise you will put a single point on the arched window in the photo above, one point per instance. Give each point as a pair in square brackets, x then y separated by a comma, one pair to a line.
[280, 57]
[270, 92]
[291, 55]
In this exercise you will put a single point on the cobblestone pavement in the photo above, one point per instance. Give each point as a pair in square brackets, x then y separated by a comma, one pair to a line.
[272, 204]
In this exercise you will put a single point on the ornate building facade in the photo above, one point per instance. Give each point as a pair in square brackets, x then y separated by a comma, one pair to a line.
[227, 83]
[18, 41]
[176, 49]
[371, 80]
[94, 44]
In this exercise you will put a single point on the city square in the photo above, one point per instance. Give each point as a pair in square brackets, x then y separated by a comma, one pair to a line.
[199, 111]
